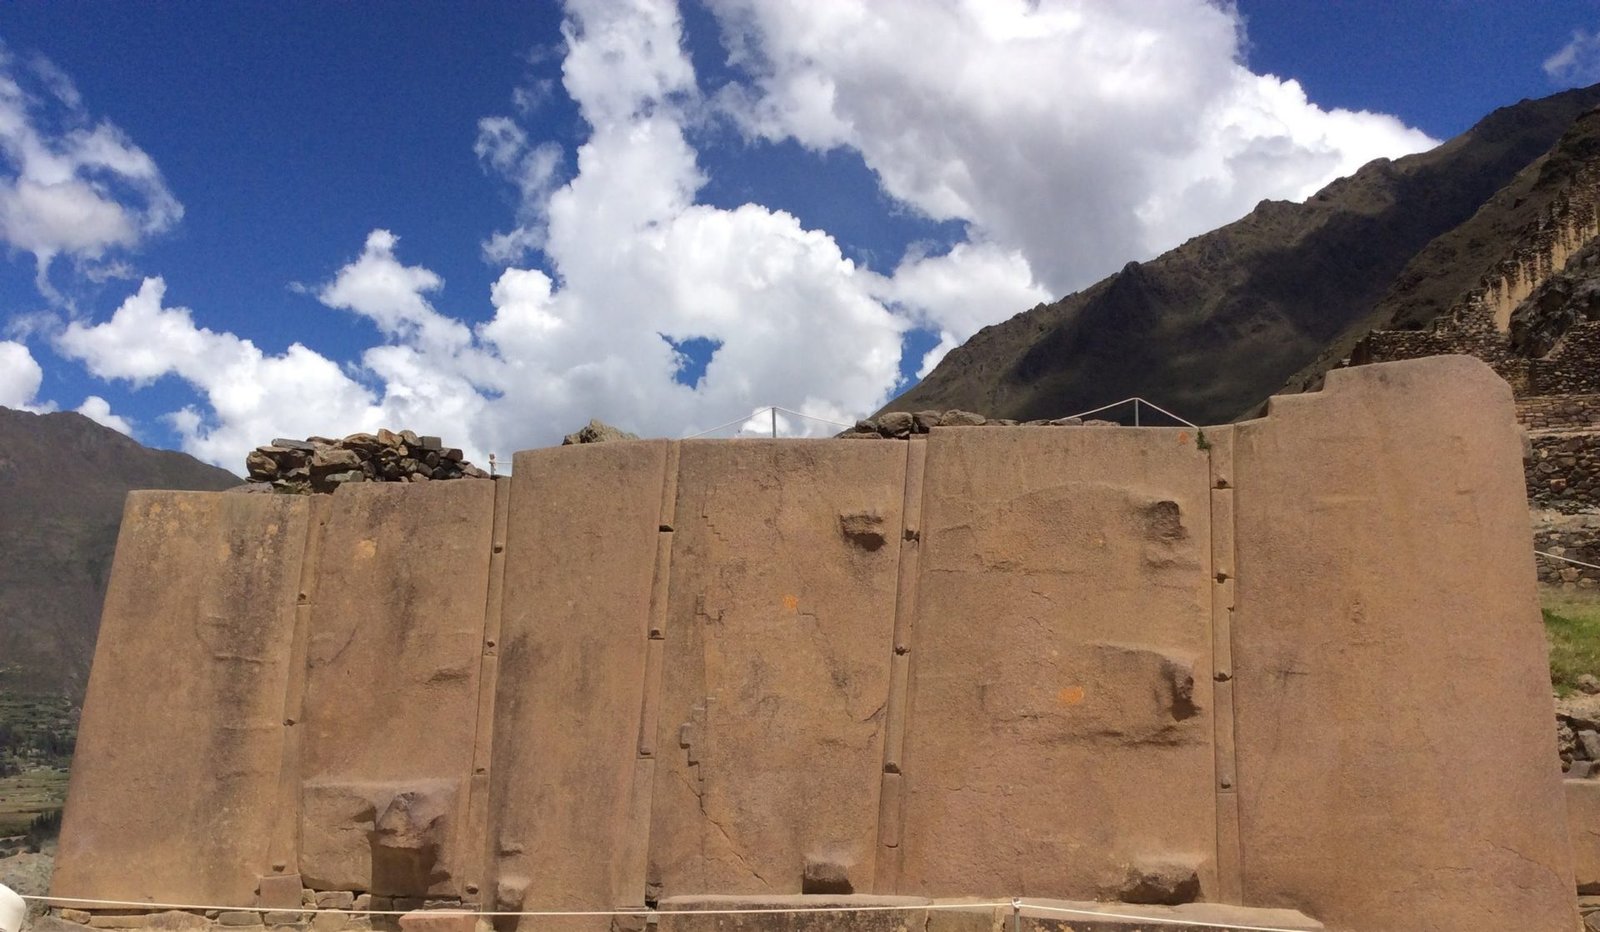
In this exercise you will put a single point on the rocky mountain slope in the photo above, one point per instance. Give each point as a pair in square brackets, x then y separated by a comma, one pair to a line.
[62, 482]
[1544, 211]
[1213, 327]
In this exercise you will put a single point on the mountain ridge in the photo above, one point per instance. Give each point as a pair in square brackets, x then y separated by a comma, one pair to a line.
[1214, 326]
[63, 479]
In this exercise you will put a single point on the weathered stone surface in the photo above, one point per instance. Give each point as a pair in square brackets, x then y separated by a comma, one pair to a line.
[239, 918]
[585, 526]
[1079, 916]
[777, 663]
[442, 920]
[336, 899]
[1352, 637]
[186, 696]
[1085, 678]
[119, 921]
[1165, 882]
[976, 663]
[1583, 827]
[413, 617]
[177, 920]
[958, 418]
[279, 891]
[597, 431]
[680, 914]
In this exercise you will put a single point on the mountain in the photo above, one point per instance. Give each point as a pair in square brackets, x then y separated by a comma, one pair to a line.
[62, 482]
[1213, 327]
[1546, 210]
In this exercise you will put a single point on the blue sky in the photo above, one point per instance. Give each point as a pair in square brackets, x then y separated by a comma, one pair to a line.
[494, 221]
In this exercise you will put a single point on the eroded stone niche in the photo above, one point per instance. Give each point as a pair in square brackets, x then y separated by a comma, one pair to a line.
[1148, 665]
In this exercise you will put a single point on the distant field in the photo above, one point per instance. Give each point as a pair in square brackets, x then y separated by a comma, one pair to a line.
[1572, 622]
[28, 795]
[36, 738]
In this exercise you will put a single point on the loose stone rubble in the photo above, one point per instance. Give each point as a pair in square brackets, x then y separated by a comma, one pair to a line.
[320, 464]
[1578, 731]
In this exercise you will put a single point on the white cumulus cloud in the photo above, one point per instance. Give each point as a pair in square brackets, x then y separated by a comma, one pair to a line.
[1080, 133]
[20, 377]
[98, 409]
[251, 396]
[70, 186]
[1067, 137]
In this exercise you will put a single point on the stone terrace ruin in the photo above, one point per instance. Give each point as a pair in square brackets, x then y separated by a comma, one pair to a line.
[1293, 663]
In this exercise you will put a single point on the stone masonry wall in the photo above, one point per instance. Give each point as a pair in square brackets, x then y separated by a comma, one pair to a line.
[1563, 472]
[974, 662]
[1576, 537]
[1555, 412]
[1573, 366]
[1469, 330]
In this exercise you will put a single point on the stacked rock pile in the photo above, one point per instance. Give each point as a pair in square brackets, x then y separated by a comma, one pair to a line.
[1578, 730]
[898, 425]
[596, 431]
[320, 464]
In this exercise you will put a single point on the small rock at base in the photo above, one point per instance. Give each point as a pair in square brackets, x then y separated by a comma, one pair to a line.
[1589, 683]
[335, 899]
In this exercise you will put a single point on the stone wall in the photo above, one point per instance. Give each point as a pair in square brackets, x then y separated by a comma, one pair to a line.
[1573, 366]
[1576, 537]
[1559, 412]
[1059, 662]
[1563, 470]
[1469, 330]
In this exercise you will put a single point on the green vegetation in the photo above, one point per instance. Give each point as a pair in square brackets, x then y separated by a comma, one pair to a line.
[1572, 623]
[36, 738]
[30, 803]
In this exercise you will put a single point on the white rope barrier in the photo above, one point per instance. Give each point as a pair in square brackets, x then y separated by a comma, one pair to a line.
[812, 417]
[1014, 904]
[713, 430]
[1136, 402]
[772, 409]
[1567, 560]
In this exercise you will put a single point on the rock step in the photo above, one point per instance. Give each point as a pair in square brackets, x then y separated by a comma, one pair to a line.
[683, 914]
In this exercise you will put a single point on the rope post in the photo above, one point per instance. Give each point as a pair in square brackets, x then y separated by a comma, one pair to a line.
[1016, 914]
[1135, 412]
[774, 412]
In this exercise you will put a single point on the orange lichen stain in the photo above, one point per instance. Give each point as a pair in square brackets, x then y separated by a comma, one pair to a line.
[1070, 695]
[791, 603]
[1183, 436]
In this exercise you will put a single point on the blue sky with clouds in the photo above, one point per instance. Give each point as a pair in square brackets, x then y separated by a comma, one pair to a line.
[228, 222]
